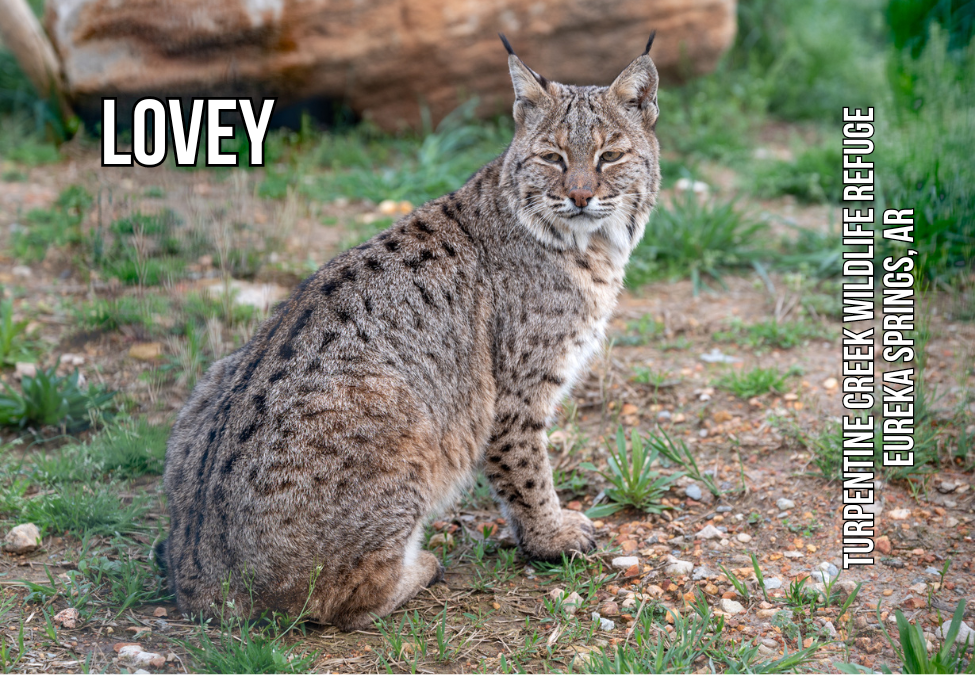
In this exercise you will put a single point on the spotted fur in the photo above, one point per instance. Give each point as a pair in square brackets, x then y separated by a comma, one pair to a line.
[370, 398]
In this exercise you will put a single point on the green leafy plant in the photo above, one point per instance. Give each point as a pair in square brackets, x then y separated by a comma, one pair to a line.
[694, 238]
[14, 345]
[49, 399]
[57, 226]
[754, 382]
[678, 453]
[634, 482]
[951, 657]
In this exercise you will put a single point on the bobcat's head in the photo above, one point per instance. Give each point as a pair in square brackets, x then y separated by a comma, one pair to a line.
[584, 160]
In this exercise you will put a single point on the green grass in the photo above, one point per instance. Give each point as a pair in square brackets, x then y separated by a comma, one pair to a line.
[20, 142]
[771, 333]
[695, 239]
[59, 226]
[693, 637]
[640, 332]
[925, 162]
[952, 656]
[84, 510]
[251, 652]
[751, 383]
[124, 450]
[812, 177]
[365, 164]
[634, 483]
[15, 344]
[109, 314]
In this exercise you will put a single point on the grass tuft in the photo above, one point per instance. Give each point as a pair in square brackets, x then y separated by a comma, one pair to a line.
[692, 238]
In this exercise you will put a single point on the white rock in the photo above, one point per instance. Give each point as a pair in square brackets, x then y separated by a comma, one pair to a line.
[71, 360]
[830, 629]
[133, 656]
[729, 606]
[965, 633]
[693, 491]
[556, 594]
[709, 532]
[572, 603]
[784, 504]
[625, 562]
[744, 537]
[900, 514]
[771, 583]
[604, 624]
[22, 539]
[23, 369]
[675, 566]
[21, 271]
[715, 356]
[67, 618]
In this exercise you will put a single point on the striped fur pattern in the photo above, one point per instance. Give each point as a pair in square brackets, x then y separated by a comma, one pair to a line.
[371, 397]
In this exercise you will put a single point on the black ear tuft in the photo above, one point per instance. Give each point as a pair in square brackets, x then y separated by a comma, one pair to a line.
[646, 51]
[507, 45]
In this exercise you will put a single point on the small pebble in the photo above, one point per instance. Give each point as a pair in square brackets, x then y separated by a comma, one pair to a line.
[729, 606]
[723, 509]
[604, 624]
[744, 537]
[785, 504]
[625, 562]
[772, 583]
[693, 491]
[708, 532]
[675, 566]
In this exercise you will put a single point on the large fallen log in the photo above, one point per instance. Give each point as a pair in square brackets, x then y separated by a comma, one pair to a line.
[384, 58]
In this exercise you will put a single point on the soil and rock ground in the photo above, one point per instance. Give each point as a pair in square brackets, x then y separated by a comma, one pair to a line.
[130, 288]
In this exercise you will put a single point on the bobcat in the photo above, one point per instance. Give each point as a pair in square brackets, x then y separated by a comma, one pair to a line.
[370, 398]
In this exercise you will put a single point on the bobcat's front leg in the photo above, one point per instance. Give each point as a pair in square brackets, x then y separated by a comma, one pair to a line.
[517, 467]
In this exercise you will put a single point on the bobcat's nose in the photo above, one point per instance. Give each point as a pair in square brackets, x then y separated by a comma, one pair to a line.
[581, 196]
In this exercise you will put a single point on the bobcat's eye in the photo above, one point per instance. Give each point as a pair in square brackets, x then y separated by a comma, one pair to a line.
[552, 157]
[610, 156]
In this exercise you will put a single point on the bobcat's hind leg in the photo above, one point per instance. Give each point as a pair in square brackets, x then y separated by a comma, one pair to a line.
[377, 600]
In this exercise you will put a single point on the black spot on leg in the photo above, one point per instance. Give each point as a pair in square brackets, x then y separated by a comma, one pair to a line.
[286, 351]
[374, 265]
[423, 227]
[392, 245]
[343, 315]
[529, 484]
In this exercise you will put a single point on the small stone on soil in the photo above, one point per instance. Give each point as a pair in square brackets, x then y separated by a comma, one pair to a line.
[22, 539]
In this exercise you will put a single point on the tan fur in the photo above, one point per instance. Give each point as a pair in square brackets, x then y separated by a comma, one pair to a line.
[372, 396]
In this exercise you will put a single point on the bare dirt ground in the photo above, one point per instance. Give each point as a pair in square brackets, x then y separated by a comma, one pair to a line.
[496, 610]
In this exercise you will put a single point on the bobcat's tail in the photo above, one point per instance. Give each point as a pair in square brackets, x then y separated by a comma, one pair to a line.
[160, 552]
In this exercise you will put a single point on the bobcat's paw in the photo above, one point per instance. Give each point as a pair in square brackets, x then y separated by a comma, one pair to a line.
[575, 535]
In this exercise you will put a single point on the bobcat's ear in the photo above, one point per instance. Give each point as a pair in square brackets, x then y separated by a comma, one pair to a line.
[636, 88]
[531, 89]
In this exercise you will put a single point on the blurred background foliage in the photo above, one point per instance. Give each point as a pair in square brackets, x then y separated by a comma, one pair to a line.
[792, 70]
